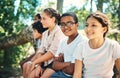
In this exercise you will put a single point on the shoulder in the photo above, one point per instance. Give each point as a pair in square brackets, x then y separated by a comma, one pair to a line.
[111, 42]
[57, 28]
[82, 37]
[45, 32]
[64, 40]
[82, 43]
[58, 31]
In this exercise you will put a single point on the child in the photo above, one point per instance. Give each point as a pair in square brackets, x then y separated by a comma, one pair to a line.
[37, 33]
[98, 54]
[64, 60]
[50, 41]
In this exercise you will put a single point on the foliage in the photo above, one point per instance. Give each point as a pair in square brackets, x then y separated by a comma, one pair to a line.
[113, 10]
[11, 23]
[81, 14]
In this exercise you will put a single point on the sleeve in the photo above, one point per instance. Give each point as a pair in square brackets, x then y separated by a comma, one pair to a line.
[78, 52]
[116, 50]
[56, 40]
[59, 50]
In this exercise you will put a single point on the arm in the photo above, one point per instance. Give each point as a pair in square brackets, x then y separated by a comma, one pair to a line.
[43, 58]
[60, 65]
[78, 69]
[37, 55]
[117, 63]
[69, 69]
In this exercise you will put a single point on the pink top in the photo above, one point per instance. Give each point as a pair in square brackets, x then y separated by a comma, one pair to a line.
[50, 42]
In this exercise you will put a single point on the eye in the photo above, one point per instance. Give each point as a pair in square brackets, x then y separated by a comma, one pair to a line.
[70, 22]
[86, 25]
[43, 18]
[93, 25]
[62, 24]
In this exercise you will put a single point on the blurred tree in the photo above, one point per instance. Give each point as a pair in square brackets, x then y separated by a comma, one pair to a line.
[99, 4]
[118, 12]
[10, 24]
[60, 5]
[91, 4]
[24, 36]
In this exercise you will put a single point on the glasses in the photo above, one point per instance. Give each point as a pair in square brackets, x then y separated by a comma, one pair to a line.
[68, 24]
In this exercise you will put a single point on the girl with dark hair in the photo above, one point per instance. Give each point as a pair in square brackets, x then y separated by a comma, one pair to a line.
[38, 30]
[50, 41]
[37, 34]
[98, 54]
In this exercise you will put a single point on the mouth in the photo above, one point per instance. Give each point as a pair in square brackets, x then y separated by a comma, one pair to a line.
[88, 33]
[66, 31]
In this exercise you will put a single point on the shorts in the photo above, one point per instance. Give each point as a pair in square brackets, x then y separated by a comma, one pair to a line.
[48, 66]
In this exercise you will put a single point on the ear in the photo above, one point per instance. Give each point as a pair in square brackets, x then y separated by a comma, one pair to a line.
[105, 29]
[53, 18]
[77, 24]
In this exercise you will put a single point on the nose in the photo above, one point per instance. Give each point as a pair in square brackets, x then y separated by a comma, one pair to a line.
[66, 27]
[88, 28]
[41, 20]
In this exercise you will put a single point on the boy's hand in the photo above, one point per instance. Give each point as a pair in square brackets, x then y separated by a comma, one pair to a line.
[69, 69]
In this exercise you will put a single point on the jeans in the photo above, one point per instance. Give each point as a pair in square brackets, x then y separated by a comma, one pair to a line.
[60, 74]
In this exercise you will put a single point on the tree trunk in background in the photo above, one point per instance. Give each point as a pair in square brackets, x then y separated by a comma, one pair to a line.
[59, 5]
[91, 5]
[21, 38]
[6, 62]
[119, 15]
[100, 5]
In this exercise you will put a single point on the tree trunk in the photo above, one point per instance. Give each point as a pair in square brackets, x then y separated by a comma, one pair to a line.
[21, 38]
[59, 5]
[100, 5]
[91, 5]
[119, 15]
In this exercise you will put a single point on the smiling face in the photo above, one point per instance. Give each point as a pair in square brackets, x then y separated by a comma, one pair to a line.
[68, 25]
[94, 28]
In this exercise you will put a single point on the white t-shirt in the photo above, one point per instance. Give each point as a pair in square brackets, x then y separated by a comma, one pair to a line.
[68, 49]
[50, 42]
[98, 63]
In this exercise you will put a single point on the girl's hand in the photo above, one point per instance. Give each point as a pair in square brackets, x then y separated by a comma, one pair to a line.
[32, 66]
[38, 71]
